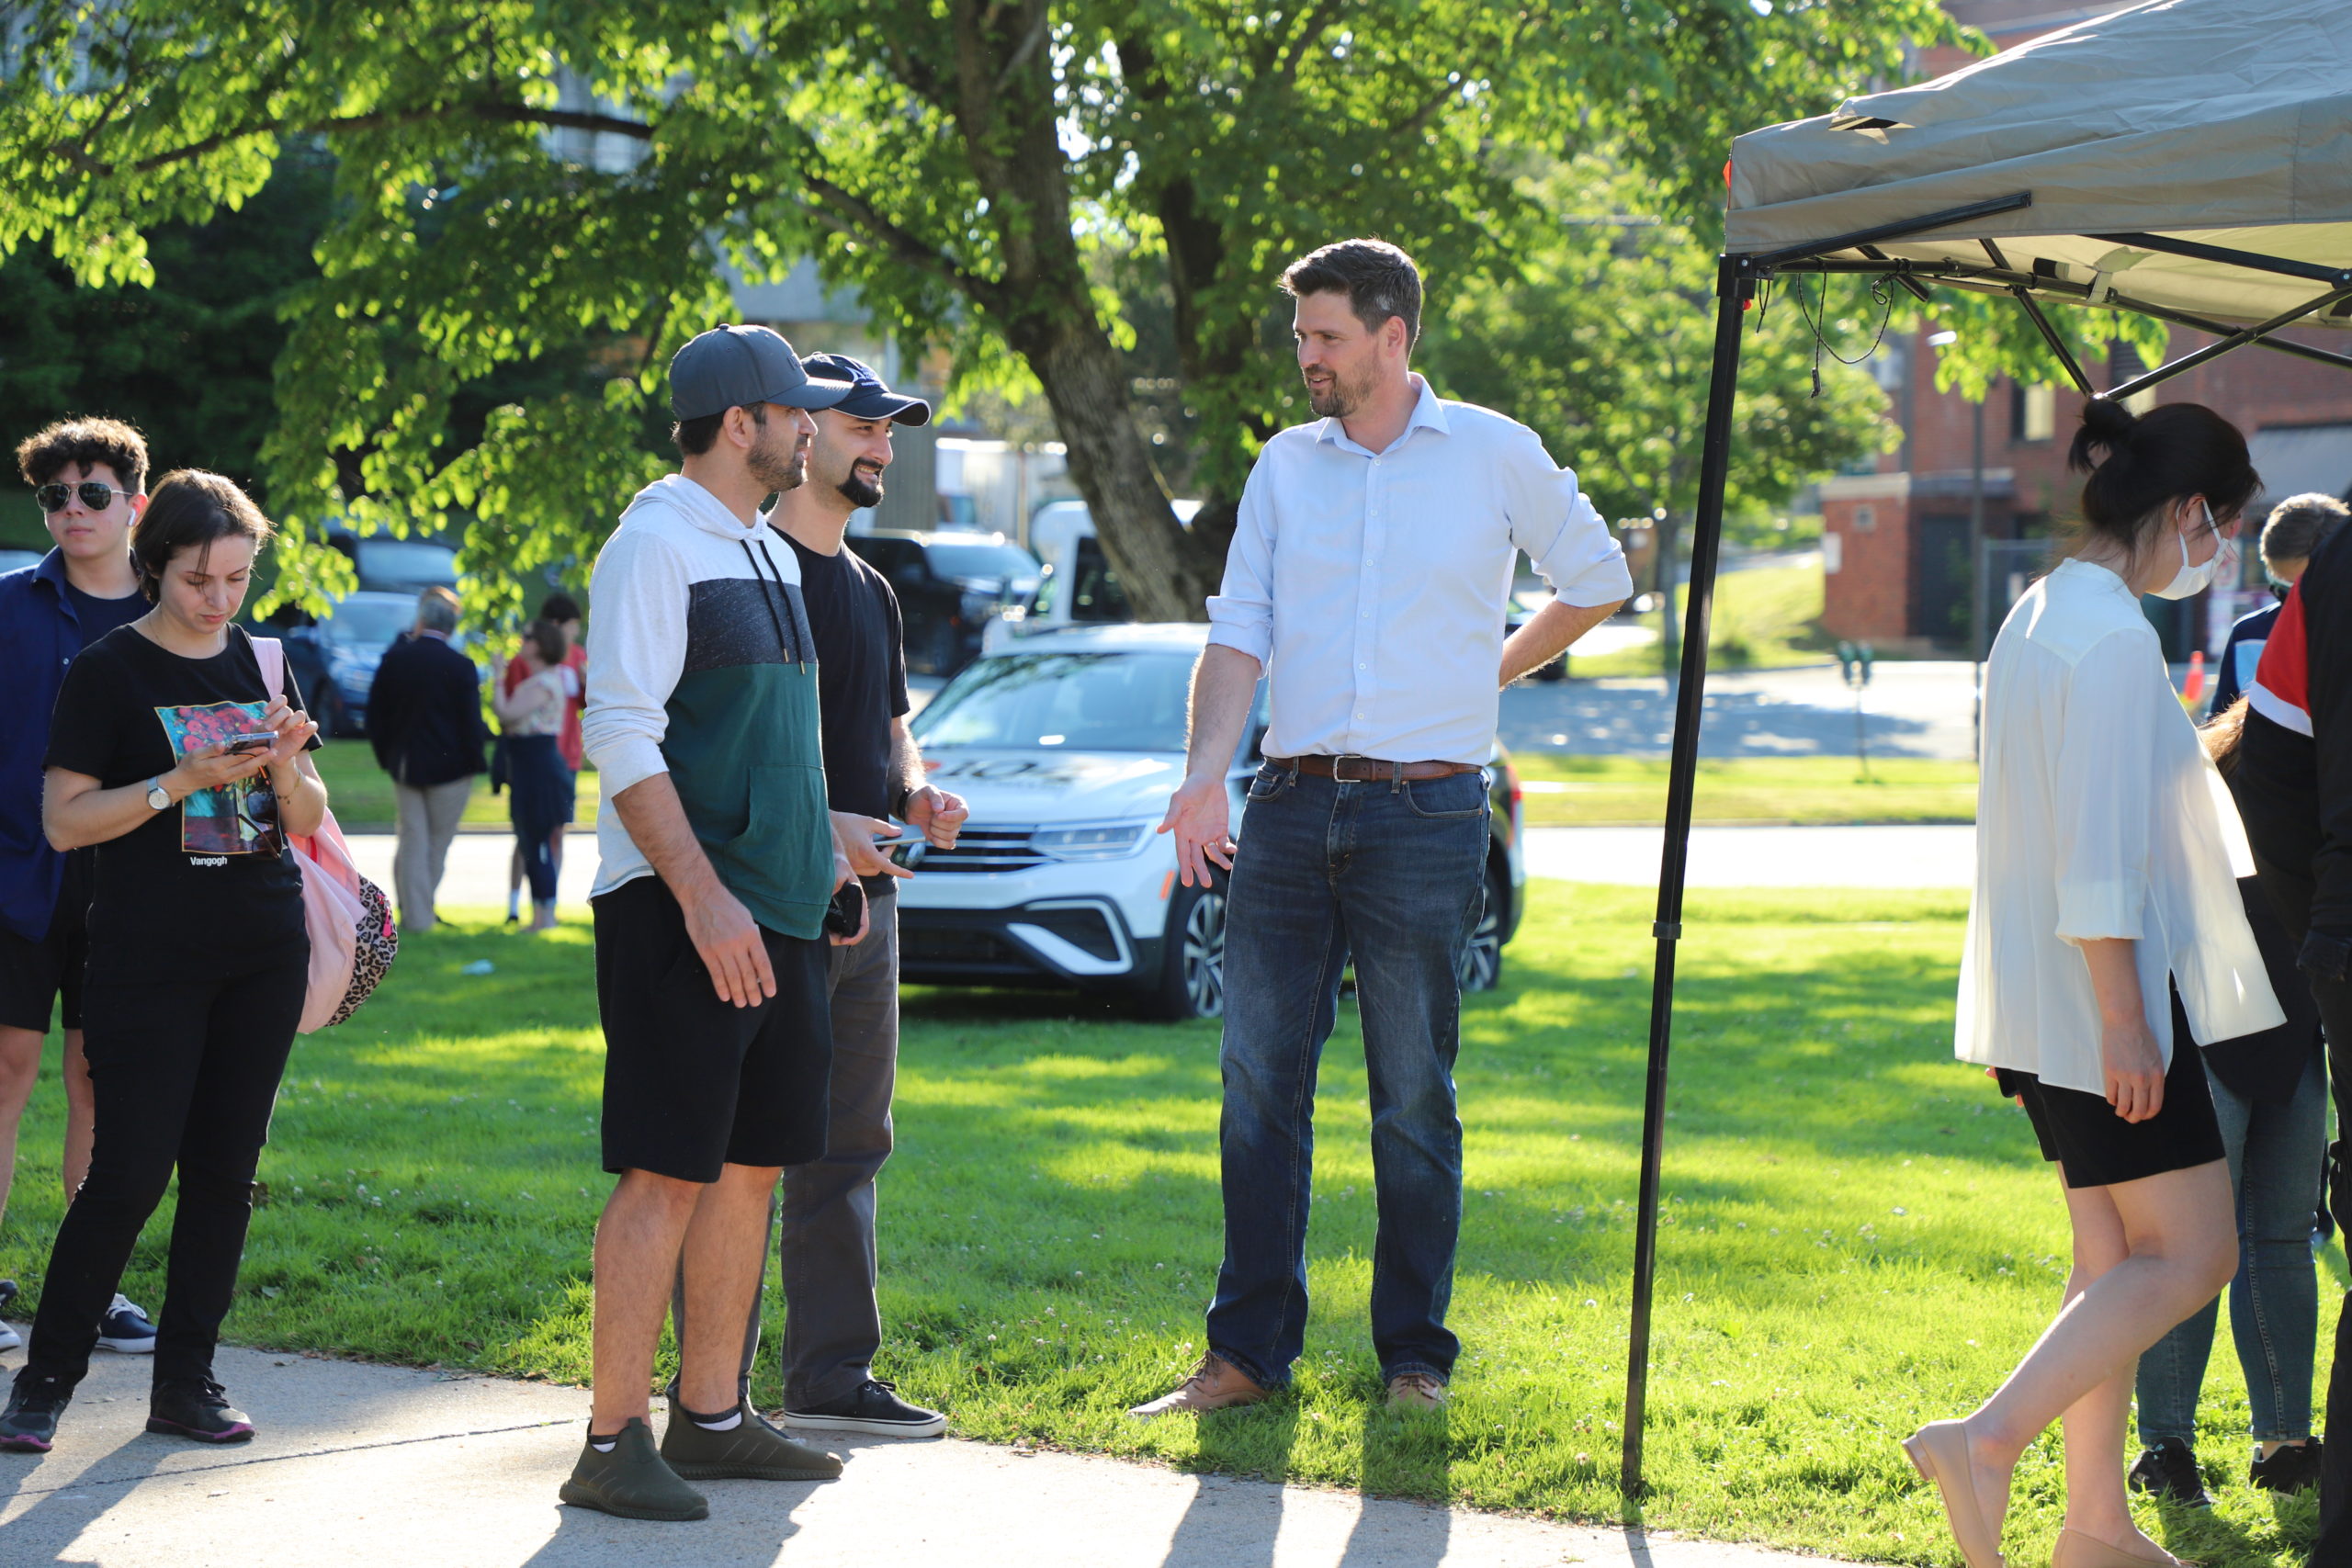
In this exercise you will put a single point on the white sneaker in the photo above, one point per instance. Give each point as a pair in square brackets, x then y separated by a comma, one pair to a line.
[125, 1328]
[9, 1338]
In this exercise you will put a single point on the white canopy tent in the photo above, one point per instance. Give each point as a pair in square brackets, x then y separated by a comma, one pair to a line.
[2187, 160]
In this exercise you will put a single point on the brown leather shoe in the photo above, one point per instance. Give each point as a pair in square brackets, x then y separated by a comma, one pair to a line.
[1416, 1391]
[1216, 1384]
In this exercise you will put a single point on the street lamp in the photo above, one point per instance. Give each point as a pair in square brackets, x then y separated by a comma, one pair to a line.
[1977, 586]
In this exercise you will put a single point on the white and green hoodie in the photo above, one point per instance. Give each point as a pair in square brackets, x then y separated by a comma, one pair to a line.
[702, 666]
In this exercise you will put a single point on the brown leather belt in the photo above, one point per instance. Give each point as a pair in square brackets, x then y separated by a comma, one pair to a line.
[1371, 770]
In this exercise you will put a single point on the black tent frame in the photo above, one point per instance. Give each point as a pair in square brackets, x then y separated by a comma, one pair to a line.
[1737, 277]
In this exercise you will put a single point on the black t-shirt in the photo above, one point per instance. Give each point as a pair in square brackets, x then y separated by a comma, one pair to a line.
[204, 888]
[861, 675]
[98, 616]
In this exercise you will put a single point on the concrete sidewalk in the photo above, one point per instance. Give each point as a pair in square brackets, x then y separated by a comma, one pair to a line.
[360, 1465]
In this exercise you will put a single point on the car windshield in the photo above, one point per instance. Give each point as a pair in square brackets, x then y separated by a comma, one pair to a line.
[1085, 702]
[982, 561]
[369, 623]
[406, 561]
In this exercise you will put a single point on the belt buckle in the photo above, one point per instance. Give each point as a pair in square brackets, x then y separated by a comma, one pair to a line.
[1340, 765]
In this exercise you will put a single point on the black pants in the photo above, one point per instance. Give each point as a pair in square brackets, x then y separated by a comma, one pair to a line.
[537, 787]
[184, 1074]
[2334, 1547]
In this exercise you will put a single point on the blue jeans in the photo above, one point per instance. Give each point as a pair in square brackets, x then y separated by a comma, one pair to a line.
[1391, 873]
[2275, 1153]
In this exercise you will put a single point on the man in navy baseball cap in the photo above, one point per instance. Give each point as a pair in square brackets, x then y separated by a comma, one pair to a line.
[735, 367]
[868, 396]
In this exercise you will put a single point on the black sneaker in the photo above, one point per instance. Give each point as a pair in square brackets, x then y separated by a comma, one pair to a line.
[29, 1424]
[631, 1481]
[196, 1408]
[2294, 1468]
[874, 1408]
[748, 1450]
[2169, 1471]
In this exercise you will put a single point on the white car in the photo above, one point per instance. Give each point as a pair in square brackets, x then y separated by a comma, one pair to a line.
[1068, 746]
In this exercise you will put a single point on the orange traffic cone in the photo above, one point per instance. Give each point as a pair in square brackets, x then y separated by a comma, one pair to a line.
[2195, 689]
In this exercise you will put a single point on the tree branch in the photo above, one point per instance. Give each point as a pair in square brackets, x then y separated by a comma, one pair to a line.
[78, 156]
[1034, 36]
[1287, 66]
[859, 219]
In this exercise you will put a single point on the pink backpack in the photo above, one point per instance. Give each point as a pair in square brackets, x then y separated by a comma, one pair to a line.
[353, 939]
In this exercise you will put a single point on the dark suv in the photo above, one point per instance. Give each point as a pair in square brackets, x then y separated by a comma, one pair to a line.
[950, 586]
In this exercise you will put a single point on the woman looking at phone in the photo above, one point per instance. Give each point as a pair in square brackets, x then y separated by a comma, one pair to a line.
[530, 717]
[170, 754]
[2106, 938]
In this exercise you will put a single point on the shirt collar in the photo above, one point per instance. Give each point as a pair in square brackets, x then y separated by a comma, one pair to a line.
[1428, 414]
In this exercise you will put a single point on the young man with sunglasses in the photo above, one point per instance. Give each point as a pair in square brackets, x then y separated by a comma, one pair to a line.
[89, 477]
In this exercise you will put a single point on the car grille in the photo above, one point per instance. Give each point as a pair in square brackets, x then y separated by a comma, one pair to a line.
[984, 850]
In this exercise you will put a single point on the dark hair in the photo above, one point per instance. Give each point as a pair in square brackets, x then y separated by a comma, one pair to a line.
[2148, 461]
[1379, 280]
[2297, 525]
[189, 511]
[696, 436]
[546, 640]
[558, 607]
[45, 455]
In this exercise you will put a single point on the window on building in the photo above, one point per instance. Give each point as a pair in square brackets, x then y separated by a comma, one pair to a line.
[1865, 518]
[2033, 413]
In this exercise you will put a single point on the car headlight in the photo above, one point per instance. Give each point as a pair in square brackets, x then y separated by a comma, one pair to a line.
[1100, 841]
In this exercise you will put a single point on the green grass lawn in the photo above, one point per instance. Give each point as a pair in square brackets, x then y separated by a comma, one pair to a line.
[1582, 792]
[361, 792]
[1859, 1232]
[1763, 618]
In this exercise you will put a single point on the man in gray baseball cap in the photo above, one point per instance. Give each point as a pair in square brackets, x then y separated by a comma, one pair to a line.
[732, 366]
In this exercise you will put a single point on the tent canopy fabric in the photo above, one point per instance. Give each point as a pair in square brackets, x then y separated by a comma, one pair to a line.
[2228, 122]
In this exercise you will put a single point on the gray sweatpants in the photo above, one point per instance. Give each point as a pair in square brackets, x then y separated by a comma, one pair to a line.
[832, 1326]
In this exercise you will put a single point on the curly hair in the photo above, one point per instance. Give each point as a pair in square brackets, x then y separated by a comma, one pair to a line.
[47, 453]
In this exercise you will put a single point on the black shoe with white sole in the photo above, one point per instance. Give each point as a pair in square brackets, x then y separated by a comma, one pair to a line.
[874, 1407]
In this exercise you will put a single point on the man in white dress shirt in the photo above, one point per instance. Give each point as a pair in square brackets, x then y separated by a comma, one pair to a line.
[1368, 577]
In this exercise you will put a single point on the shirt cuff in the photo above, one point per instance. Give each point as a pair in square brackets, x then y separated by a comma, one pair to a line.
[1603, 583]
[2101, 911]
[1251, 636]
[621, 763]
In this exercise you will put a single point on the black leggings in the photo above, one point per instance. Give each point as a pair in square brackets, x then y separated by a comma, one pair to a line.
[184, 1074]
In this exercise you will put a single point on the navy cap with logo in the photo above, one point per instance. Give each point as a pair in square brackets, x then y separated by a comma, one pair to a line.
[870, 397]
[735, 367]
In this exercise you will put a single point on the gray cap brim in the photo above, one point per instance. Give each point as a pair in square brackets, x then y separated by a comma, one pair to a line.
[812, 394]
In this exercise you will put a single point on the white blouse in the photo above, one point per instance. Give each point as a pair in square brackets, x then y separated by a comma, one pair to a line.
[2097, 815]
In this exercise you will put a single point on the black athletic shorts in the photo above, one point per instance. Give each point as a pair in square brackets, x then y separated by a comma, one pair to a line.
[2093, 1146]
[692, 1082]
[36, 974]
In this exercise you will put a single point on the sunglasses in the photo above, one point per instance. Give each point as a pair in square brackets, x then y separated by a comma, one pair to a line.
[95, 496]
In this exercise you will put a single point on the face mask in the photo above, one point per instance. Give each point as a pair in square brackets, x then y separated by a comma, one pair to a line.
[2197, 579]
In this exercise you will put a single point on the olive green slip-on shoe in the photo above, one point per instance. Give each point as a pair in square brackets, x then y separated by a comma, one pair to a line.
[632, 1481]
[753, 1450]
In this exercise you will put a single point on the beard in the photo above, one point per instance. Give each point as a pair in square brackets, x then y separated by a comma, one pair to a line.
[859, 489]
[1340, 398]
[779, 460]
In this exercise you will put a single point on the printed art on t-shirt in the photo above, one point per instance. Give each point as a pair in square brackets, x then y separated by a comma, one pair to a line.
[236, 818]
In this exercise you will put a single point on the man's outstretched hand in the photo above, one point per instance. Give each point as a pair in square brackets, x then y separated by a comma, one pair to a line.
[1201, 819]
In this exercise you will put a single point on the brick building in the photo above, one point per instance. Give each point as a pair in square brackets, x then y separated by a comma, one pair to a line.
[1896, 540]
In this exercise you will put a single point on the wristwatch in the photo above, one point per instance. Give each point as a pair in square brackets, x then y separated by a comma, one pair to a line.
[158, 797]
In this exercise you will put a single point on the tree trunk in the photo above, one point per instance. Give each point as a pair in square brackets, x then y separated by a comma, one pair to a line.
[1167, 572]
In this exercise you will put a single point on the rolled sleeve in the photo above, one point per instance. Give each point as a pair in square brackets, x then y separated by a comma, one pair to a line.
[1550, 519]
[1241, 614]
[2105, 793]
[640, 650]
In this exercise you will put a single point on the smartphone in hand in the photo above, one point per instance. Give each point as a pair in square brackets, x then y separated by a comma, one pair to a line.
[258, 740]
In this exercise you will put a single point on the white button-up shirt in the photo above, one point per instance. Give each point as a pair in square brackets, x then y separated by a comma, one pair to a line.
[2098, 816]
[1373, 585]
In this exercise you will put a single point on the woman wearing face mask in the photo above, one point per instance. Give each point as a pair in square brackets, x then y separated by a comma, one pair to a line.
[2105, 933]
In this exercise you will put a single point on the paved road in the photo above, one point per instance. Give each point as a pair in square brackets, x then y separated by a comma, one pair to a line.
[1762, 857]
[1921, 710]
[361, 1465]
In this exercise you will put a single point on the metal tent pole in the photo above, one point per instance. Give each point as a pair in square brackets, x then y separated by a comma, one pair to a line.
[1735, 286]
